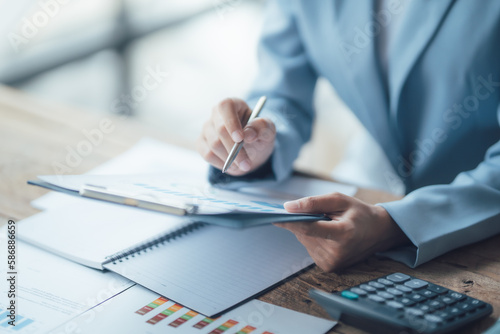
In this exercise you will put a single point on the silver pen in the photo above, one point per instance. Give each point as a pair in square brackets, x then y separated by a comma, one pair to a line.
[237, 146]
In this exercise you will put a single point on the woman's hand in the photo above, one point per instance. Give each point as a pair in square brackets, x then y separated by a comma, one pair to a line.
[357, 230]
[224, 128]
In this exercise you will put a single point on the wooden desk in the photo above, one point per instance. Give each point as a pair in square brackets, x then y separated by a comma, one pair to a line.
[35, 135]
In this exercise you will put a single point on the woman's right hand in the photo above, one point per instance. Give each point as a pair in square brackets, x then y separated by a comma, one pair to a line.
[224, 128]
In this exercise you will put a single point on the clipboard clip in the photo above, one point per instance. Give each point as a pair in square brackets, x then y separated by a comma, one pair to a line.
[114, 196]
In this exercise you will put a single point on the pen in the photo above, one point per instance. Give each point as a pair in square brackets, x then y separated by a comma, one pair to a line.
[237, 146]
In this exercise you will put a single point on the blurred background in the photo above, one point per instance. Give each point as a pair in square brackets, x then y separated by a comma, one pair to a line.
[164, 63]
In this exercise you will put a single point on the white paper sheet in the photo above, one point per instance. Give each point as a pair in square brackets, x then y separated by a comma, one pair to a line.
[139, 310]
[52, 290]
[89, 231]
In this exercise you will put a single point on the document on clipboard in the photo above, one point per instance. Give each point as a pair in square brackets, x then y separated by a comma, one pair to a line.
[178, 195]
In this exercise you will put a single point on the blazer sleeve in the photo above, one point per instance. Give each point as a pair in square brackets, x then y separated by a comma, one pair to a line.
[287, 78]
[440, 218]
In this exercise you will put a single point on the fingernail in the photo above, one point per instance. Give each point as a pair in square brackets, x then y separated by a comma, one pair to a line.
[245, 165]
[237, 136]
[233, 169]
[292, 205]
[250, 134]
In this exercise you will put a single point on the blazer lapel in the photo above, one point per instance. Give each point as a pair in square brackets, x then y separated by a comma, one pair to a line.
[364, 71]
[419, 25]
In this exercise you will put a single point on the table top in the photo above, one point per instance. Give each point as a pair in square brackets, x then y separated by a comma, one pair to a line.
[34, 138]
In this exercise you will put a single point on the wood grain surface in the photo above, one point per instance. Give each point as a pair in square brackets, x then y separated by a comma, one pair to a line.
[35, 135]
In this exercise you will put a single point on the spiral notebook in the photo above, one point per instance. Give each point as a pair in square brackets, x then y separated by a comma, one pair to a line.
[205, 267]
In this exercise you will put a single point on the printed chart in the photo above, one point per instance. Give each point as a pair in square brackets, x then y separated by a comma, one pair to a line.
[181, 318]
[209, 196]
[140, 310]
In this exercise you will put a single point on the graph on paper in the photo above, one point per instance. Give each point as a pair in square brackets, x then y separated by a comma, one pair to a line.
[177, 317]
[180, 190]
[139, 310]
[207, 196]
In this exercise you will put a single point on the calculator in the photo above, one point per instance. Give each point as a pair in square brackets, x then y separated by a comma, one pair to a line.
[400, 303]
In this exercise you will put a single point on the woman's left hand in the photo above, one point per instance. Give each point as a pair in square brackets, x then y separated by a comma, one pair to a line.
[357, 230]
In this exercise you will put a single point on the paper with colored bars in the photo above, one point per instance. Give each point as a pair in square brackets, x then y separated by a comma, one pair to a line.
[138, 310]
[243, 208]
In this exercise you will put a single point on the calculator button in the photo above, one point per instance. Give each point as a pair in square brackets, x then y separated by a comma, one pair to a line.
[359, 292]
[477, 303]
[456, 296]
[456, 312]
[376, 285]
[406, 301]
[437, 289]
[395, 305]
[427, 293]
[433, 318]
[385, 282]
[349, 295]
[417, 298]
[385, 295]
[367, 288]
[376, 298]
[425, 308]
[416, 284]
[435, 304]
[403, 288]
[395, 292]
[447, 300]
[466, 307]
[414, 312]
[445, 315]
[398, 278]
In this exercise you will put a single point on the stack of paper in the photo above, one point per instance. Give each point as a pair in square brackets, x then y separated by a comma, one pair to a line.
[91, 233]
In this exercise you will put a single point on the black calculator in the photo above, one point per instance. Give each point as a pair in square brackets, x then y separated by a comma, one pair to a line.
[399, 303]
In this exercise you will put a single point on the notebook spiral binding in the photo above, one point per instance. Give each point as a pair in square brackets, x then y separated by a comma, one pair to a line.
[124, 255]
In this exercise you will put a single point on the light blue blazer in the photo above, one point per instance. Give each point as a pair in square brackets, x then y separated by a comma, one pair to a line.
[436, 114]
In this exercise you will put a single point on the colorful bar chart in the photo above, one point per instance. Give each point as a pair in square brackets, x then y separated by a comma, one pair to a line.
[151, 306]
[163, 315]
[246, 330]
[203, 323]
[190, 193]
[179, 321]
[224, 327]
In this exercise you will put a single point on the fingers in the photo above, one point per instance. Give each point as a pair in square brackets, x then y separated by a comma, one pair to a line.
[261, 129]
[233, 111]
[324, 253]
[207, 152]
[224, 129]
[259, 139]
[327, 204]
[223, 143]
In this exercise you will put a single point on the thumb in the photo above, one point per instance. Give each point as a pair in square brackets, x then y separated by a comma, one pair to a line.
[260, 129]
[329, 203]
